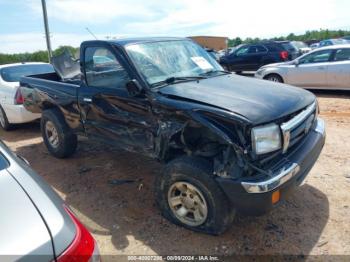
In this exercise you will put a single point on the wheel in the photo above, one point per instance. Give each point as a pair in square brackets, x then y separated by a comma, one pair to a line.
[188, 195]
[3, 120]
[58, 137]
[274, 78]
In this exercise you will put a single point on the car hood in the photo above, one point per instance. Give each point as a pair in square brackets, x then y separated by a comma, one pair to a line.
[23, 231]
[259, 101]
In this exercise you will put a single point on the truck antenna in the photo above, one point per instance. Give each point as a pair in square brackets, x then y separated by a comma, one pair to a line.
[87, 29]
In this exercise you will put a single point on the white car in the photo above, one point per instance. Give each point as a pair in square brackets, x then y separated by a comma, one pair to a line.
[323, 68]
[11, 100]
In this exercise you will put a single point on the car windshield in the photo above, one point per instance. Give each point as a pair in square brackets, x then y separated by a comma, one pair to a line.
[14, 73]
[159, 61]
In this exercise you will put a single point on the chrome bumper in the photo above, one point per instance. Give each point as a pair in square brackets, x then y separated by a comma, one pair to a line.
[285, 174]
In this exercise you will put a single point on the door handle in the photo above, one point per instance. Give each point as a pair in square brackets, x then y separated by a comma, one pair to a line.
[87, 99]
[321, 67]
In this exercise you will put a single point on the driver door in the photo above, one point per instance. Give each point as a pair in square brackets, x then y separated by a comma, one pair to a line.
[108, 112]
[311, 70]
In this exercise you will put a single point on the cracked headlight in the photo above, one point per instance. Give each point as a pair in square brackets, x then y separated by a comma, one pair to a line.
[266, 138]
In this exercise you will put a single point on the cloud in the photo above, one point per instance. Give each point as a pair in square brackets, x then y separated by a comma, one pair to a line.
[215, 17]
[96, 11]
[29, 42]
[68, 19]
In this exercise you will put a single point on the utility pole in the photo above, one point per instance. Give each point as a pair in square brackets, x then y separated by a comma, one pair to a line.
[47, 31]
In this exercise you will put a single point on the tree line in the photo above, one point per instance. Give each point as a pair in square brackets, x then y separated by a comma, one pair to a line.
[38, 56]
[315, 35]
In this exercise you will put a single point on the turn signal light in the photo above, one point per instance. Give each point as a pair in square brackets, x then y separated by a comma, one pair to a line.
[275, 197]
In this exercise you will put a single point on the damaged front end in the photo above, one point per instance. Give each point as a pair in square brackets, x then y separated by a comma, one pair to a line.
[249, 179]
[219, 138]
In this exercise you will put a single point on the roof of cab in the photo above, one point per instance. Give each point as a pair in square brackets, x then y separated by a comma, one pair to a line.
[138, 40]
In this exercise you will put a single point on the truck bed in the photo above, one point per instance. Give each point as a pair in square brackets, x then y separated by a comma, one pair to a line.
[40, 90]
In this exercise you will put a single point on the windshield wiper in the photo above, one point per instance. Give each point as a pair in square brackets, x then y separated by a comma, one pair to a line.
[210, 72]
[177, 79]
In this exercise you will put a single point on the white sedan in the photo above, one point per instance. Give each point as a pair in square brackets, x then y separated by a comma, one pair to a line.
[323, 68]
[11, 100]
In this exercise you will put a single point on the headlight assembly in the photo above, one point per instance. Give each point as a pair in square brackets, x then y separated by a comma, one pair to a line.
[266, 138]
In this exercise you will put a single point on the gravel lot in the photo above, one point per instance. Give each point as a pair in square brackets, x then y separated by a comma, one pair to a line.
[125, 221]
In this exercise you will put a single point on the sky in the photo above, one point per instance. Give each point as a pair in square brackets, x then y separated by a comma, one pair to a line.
[22, 28]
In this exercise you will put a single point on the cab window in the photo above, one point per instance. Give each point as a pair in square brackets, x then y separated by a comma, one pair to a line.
[102, 69]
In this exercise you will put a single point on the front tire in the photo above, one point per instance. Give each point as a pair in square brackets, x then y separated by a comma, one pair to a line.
[58, 137]
[274, 78]
[4, 123]
[188, 195]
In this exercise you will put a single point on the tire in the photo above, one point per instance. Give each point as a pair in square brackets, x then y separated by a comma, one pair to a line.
[58, 137]
[4, 123]
[194, 175]
[274, 78]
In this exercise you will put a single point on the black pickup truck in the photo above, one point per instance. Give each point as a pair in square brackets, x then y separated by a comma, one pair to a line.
[228, 143]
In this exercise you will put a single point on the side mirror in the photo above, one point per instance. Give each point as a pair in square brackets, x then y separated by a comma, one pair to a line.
[134, 87]
[296, 62]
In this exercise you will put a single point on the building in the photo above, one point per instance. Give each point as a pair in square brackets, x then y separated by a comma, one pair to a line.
[214, 42]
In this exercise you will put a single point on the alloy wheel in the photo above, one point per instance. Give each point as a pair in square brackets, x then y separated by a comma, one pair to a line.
[51, 134]
[187, 203]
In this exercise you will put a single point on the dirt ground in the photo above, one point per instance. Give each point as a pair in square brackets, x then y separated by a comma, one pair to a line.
[125, 221]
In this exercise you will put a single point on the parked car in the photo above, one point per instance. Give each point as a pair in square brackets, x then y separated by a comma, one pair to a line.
[251, 57]
[347, 38]
[227, 142]
[330, 42]
[323, 68]
[35, 224]
[213, 53]
[301, 47]
[314, 46]
[11, 100]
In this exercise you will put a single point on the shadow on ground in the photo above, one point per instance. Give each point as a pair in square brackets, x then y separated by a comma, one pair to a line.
[128, 214]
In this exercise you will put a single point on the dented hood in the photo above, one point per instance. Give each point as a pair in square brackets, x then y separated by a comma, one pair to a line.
[260, 101]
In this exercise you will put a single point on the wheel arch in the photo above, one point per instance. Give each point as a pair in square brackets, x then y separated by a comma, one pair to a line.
[274, 74]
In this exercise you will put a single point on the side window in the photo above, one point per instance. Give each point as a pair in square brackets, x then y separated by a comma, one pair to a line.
[253, 50]
[342, 55]
[261, 49]
[274, 48]
[317, 57]
[3, 163]
[102, 69]
[242, 51]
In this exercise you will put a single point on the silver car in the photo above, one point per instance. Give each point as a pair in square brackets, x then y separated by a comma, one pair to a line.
[35, 224]
[323, 68]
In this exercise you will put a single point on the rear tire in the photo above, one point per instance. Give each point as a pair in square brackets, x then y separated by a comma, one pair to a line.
[4, 123]
[274, 78]
[58, 137]
[188, 195]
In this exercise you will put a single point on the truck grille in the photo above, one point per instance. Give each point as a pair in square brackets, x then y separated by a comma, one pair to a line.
[297, 127]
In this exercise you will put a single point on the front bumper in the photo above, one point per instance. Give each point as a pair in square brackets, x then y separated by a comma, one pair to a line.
[254, 195]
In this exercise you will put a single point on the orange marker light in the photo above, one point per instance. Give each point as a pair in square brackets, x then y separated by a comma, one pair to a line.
[275, 197]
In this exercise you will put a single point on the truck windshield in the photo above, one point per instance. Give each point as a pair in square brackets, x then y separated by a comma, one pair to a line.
[159, 61]
[14, 73]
